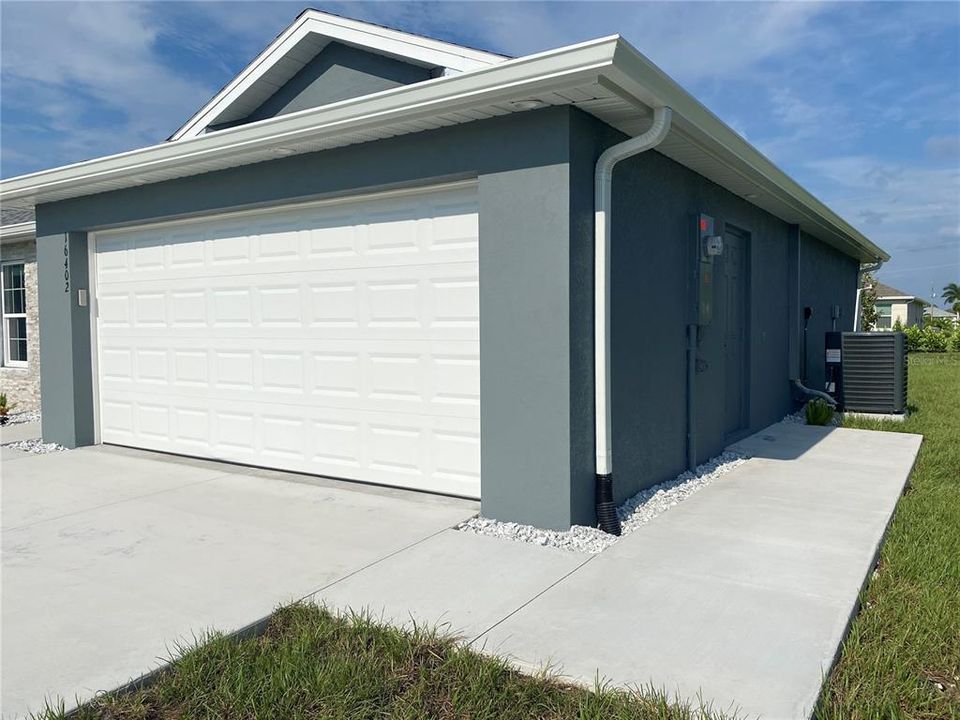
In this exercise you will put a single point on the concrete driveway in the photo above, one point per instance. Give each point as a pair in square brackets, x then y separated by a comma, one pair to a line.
[110, 556]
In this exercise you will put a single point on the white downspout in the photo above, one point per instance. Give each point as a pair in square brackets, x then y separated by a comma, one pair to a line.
[603, 192]
[864, 269]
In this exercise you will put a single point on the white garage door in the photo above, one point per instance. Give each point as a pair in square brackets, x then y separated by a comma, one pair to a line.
[337, 338]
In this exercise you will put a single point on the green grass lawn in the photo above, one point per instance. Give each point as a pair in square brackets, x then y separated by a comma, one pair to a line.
[902, 657]
[309, 664]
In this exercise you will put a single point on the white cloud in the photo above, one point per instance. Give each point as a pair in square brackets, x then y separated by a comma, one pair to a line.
[90, 75]
[943, 147]
[890, 192]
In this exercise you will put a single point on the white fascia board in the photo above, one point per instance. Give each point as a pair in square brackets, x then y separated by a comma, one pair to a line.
[645, 81]
[553, 69]
[18, 232]
[397, 44]
[402, 45]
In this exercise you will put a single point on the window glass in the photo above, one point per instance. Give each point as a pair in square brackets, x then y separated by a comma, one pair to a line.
[14, 298]
[16, 337]
[884, 314]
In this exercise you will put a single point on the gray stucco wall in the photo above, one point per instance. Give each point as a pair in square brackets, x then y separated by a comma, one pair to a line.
[67, 402]
[827, 278]
[525, 287]
[653, 205]
[22, 384]
[652, 256]
[338, 72]
[536, 296]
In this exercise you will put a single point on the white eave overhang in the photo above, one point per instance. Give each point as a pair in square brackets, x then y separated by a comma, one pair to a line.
[18, 232]
[606, 78]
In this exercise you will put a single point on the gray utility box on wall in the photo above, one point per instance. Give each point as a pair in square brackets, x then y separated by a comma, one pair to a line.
[874, 372]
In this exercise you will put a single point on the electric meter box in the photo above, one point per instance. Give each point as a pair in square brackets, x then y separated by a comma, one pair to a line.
[709, 244]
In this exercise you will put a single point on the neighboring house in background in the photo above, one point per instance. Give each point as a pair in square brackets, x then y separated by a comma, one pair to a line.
[893, 305]
[932, 311]
[19, 332]
[371, 256]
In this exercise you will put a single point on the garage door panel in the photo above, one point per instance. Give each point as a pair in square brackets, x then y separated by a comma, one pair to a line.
[406, 450]
[338, 339]
[334, 238]
[444, 383]
[426, 301]
[256, 266]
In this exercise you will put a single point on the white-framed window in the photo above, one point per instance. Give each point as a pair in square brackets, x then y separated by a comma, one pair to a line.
[884, 316]
[13, 299]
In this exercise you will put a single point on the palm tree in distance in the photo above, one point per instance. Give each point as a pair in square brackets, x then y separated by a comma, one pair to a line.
[951, 295]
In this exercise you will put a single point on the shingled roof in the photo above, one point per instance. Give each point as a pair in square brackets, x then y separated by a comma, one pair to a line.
[16, 216]
[887, 291]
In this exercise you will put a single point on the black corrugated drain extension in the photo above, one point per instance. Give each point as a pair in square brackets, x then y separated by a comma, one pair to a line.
[606, 510]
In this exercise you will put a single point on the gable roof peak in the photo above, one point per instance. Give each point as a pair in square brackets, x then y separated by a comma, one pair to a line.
[302, 40]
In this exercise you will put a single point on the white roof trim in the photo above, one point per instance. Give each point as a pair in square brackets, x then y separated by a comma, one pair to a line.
[385, 41]
[18, 232]
[505, 81]
[608, 61]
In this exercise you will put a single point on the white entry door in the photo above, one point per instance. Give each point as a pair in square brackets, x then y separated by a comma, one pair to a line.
[337, 338]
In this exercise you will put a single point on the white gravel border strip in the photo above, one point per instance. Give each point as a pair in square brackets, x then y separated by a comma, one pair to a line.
[634, 512]
[36, 446]
[18, 418]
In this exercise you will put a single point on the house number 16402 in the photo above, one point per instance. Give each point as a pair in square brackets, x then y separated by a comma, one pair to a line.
[66, 264]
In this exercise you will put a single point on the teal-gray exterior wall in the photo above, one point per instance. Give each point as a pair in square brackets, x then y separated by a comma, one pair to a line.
[67, 403]
[525, 286]
[535, 179]
[655, 201]
[827, 277]
[338, 72]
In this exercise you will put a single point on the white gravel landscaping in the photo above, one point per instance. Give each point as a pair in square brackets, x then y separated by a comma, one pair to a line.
[634, 512]
[18, 418]
[35, 446]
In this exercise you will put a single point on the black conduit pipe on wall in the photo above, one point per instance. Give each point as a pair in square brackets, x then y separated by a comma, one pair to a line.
[691, 404]
[606, 511]
[807, 313]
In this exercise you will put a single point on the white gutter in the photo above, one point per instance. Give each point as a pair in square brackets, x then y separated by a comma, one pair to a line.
[18, 232]
[603, 192]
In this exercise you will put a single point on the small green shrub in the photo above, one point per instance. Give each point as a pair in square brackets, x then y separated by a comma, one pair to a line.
[819, 412]
[5, 408]
[898, 325]
[933, 340]
[953, 344]
[940, 323]
[913, 335]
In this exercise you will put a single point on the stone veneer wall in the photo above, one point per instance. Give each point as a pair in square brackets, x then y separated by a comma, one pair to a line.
[22, 385]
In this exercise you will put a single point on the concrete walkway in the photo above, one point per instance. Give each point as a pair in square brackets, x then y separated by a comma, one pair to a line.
[742, 592]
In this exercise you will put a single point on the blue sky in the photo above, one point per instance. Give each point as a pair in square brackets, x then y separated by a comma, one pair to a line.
[860, 102]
